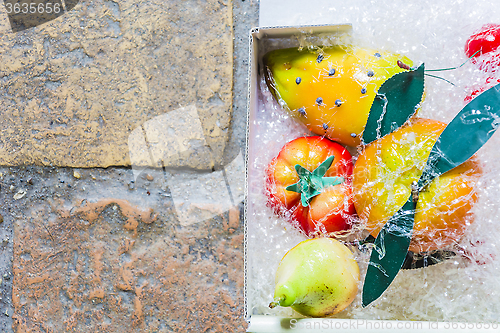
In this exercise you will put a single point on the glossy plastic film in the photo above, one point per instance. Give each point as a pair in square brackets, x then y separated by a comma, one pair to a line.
[404, 233]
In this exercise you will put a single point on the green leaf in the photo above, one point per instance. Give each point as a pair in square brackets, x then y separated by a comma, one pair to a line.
[396, 101]
[471, 128]
[311, 184]
[464, 135]
[389, 252]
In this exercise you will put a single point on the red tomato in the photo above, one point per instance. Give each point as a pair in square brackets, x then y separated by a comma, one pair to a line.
[486, 40]
[329, 211]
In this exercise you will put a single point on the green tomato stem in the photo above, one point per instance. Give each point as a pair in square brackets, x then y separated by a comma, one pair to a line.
[311, 184]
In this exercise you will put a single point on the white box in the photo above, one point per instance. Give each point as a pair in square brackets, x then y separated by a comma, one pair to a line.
[261, 41]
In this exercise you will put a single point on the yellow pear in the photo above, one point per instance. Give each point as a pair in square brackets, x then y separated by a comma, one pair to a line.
[317, 278]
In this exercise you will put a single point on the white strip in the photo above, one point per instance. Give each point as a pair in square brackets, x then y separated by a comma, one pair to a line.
[4, 20]
[271, 324]
[175, 135]
[200, 196]
[297, 12]
[234, 176]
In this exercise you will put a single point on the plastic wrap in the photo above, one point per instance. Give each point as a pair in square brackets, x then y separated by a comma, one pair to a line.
[461, 288]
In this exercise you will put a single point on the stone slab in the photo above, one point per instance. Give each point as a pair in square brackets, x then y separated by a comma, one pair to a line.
[73, 90]
[93, 254]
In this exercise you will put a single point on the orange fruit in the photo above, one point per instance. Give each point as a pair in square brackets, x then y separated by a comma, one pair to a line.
[385, 171]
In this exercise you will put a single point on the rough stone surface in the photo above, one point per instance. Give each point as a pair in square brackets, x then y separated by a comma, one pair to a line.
[72, 90]
[103, 250]
[86, 262]
[92, 253]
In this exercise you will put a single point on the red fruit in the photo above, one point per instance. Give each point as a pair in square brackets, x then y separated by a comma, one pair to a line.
[484, 40]
[331, 209]
[488, 62]
[487, 41]
[490, 82]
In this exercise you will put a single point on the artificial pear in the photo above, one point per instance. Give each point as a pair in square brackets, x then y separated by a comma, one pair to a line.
[317, 278]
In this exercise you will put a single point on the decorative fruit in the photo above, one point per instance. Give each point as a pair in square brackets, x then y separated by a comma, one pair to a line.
[330, 90]
[383, 178]
[484, 40]
[317, 278]
[303, 187]
[489, 82]
[484, 45]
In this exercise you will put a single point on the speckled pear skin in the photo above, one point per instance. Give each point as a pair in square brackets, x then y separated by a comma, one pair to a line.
[330, 90]
[317, 278]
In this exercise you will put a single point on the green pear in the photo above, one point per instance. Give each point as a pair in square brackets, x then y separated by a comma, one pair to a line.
[317, 278]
